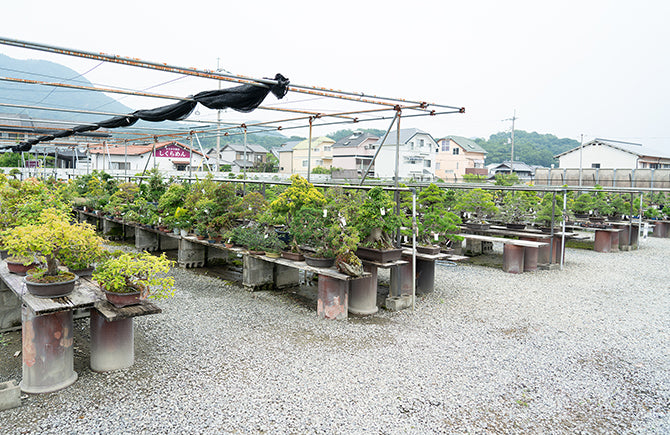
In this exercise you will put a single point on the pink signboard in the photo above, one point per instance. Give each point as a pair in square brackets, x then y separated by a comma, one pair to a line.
[173, 151]
[32, 163]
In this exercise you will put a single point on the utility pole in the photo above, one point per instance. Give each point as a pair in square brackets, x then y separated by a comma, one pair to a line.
[218, 125]
[511, 160]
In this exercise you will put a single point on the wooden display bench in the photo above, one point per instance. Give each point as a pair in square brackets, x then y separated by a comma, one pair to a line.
[47, 331]
[518, 255]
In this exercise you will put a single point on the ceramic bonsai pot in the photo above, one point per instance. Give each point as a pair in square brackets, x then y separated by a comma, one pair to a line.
[379, 256]
[50, 289]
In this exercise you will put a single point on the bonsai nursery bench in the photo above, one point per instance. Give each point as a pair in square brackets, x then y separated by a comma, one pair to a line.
[518, 255]
[261, 271]
[47, 332]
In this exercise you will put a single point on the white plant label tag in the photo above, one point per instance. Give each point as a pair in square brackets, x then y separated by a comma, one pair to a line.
[265, 237]
[325, 212]
[383, 211]
[344, 221]
[435, 236]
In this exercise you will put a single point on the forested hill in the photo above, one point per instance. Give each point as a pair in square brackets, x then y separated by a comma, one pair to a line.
[530, 148]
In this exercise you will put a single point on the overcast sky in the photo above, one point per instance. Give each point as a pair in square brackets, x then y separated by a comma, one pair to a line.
[597, 68]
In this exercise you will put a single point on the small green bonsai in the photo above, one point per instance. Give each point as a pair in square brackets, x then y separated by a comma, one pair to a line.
[133, 272]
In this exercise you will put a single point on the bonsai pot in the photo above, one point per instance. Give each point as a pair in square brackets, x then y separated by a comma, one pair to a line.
[295, 256]
[581, 215]
[229, 245]
[429, 249]
[19, 268]
[88, 271]
[50, 289]
[120, 300]
[256, 252]
[515, 226]
[378, 255]
[319, 262]
[272, 254]
[598, 219]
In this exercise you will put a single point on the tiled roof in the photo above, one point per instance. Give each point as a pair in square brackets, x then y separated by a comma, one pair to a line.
[405, 135]
[250, 148]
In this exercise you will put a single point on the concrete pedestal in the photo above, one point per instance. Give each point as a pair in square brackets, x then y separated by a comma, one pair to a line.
[333, 299]
[257, 274]
[112, 343]
[10, 308]
[112, 229]
[190, 254]
[363, 293]
[513, 257]
[401, 280]
[614, 246]
[146, 240]
[603, 241]
[285, 277]
[48, 357]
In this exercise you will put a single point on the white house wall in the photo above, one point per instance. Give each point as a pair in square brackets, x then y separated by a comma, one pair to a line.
[604, 155]
[138, 163]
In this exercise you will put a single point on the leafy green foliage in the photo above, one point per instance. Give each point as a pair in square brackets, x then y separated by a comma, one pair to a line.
[130, 272]
[478, 203]
[517, 207]
[530, 148]
[299, 194]
[377, 221]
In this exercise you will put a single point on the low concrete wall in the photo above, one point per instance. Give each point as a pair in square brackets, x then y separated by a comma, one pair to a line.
[606, 177]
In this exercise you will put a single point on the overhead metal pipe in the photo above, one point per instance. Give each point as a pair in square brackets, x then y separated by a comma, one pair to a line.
[217, 75]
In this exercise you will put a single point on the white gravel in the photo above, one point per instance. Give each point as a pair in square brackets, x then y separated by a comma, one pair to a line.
[583, 350]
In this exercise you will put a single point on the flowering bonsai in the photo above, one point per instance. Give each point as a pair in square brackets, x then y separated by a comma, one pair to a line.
[124, 272]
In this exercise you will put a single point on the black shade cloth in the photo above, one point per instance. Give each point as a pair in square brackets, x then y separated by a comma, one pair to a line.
[173, 112]
[244, 98]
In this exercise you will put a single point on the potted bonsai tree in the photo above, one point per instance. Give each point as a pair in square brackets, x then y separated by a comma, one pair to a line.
[435, 223]
[53, 240]
[378, 224]
[478, 204]
[126, 278]
[581, 207]
[516, 208]
[310, 228]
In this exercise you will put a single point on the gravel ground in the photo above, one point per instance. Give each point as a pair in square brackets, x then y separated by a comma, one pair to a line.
[584, 350]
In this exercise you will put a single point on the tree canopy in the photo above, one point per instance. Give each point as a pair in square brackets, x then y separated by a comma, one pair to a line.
[530, 148]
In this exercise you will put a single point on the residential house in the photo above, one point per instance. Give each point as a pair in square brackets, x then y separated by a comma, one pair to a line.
[284, 154]
[457, 156]
[354, 153]
[613, 154]
[321, 155]
[166, 156]
[417, 155]
[523, 171]
[234, 155]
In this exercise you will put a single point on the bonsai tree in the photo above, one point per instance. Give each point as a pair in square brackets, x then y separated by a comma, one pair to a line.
[600, 204]
[544, 212]
[619, 206]
[436, 224]
[311, 227]
[516, 207]
[53, 240]
[136, 272]
[582, 205]
[376, 221]
[299, 194]
[478, 203]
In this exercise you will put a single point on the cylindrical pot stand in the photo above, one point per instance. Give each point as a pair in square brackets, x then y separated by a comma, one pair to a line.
[363, 293]
[513, 257]
[112, 343]
[530, 256]
[48, 357]
[333, 298]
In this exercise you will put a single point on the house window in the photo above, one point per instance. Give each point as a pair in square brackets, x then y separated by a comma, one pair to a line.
[420, 143]
[437, 166]
[426, 163]
[326, 149]
[316, 150]
[455, 151]
[595, 165]
[319, 162]
[411, 145]
[120, 165]
[304, 163]
[445, 146]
